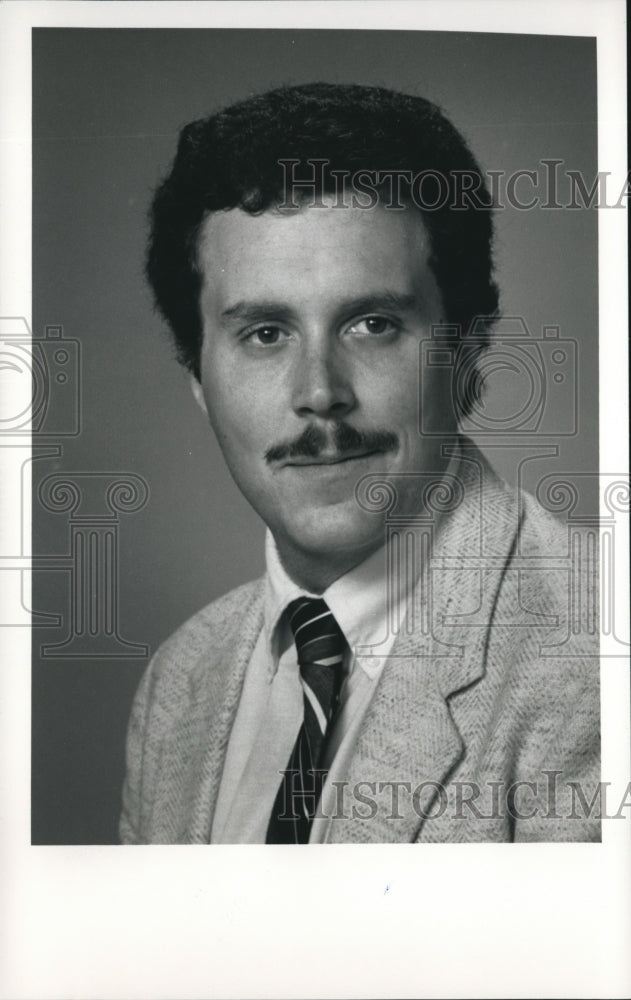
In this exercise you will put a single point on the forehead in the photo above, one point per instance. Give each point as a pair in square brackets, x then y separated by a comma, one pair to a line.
[303, 254]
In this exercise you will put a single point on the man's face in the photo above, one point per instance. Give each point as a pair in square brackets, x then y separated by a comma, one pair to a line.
[312, 322]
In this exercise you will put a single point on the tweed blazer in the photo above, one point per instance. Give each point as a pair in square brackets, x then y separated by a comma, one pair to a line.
[484, 725]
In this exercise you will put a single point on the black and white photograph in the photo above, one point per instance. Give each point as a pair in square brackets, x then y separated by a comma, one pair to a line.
[315, 526]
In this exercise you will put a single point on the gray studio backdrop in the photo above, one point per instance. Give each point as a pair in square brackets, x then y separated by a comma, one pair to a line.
[151, 516]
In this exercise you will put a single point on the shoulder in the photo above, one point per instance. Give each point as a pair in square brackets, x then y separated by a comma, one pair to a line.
[206, 641]
[217, 621]
[561, 557]
[546, 617]
[543, 532]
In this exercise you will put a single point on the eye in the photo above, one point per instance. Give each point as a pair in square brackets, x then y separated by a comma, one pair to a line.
[265, 336]
[373, 326]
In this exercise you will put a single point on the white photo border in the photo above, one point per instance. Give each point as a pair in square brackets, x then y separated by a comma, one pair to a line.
[449, 920]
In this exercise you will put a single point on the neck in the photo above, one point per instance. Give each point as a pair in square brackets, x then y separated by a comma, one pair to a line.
[315, 572]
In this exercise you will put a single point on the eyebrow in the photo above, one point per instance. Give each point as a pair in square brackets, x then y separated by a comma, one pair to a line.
[383, 301]
[250, 311]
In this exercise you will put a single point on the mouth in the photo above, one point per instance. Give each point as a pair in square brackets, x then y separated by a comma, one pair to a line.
[326, 460]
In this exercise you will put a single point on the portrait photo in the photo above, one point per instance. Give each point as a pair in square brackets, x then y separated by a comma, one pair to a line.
[316, 503]
[140, 502]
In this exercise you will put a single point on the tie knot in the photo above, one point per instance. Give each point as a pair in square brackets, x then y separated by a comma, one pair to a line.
[318, 637]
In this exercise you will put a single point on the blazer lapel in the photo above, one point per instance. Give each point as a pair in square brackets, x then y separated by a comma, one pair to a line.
[408, 734]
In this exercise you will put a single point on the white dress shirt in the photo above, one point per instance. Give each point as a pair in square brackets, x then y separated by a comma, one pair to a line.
[270, 711]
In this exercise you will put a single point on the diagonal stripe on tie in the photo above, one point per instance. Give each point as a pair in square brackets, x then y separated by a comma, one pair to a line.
[320, 645]
[329, 661]
[298, 629]
[318, 711]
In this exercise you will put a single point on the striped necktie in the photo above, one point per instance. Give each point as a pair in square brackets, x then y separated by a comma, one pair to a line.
[320, 644]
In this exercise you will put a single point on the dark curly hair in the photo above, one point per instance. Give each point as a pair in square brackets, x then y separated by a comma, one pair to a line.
[231, 159]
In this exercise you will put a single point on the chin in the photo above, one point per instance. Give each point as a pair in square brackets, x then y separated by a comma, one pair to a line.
[330, 531]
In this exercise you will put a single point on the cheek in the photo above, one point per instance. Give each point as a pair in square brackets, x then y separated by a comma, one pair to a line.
[239, 420]
[398, 401]
[392, 398]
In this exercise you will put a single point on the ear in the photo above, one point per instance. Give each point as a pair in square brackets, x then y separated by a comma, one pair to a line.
[198, 393]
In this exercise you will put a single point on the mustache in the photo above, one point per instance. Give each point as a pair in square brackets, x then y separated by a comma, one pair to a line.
[314, 441]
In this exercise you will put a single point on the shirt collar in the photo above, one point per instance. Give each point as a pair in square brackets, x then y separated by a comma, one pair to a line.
[357, 601]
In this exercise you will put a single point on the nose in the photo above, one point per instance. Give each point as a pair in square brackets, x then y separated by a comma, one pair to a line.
[322, 380]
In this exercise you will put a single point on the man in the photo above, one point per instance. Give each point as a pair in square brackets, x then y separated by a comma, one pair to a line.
[405, 670]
